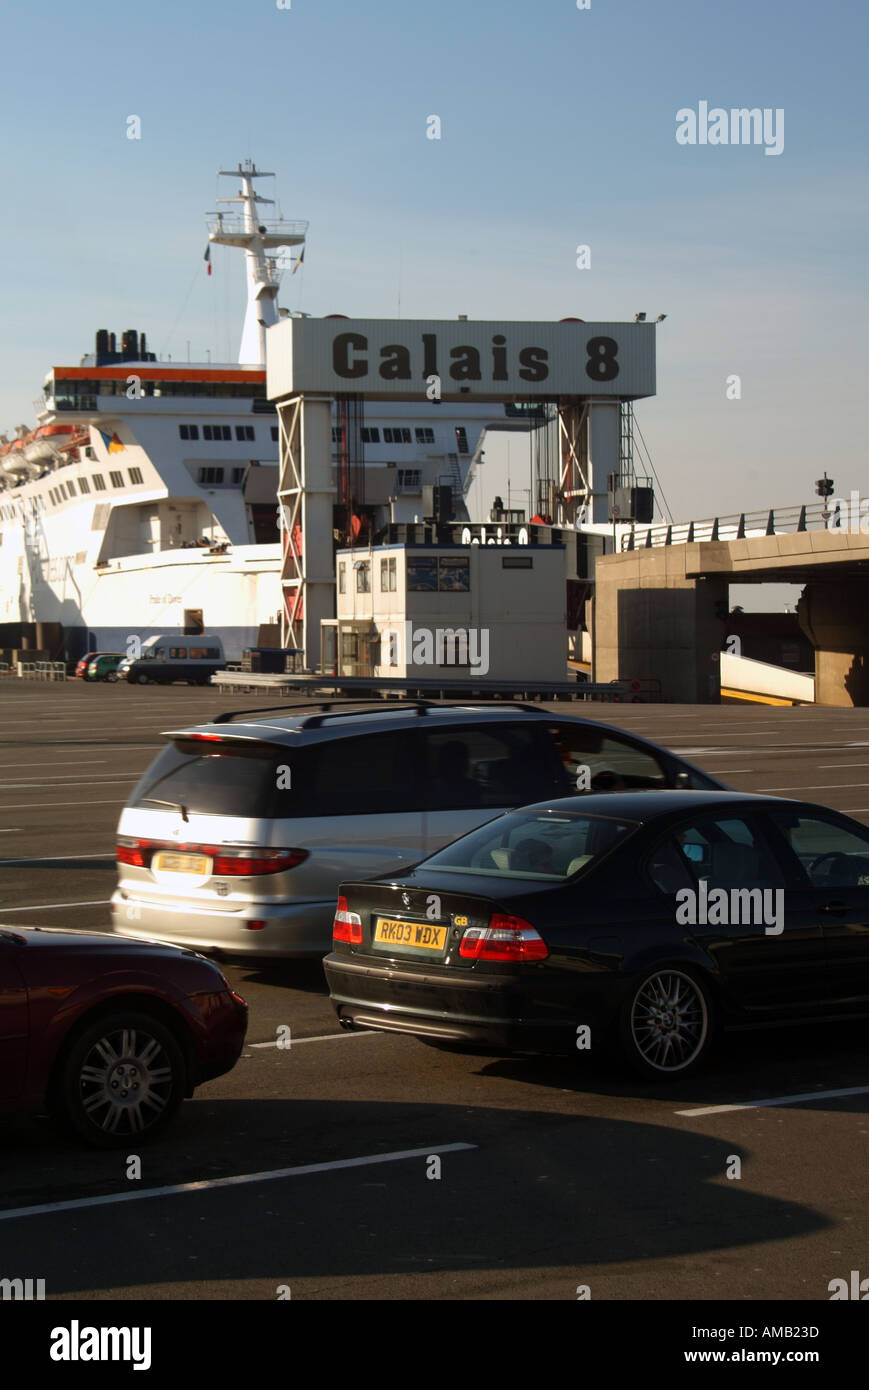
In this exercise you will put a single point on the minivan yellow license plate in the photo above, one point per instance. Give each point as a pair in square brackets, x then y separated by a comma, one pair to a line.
[170, 863]
[423, 935]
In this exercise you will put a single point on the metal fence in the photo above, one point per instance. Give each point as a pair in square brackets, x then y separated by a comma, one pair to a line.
[33, 670]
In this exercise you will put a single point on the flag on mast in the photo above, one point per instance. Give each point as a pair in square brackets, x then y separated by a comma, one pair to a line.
[207, 257]
[299, 261]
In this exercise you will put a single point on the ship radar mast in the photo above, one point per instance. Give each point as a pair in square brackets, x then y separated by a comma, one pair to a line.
[260, 240]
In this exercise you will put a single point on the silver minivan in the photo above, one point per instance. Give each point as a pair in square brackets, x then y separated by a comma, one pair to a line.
[237, 836]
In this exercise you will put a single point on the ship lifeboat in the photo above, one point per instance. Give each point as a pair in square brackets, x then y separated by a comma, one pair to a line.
[45, 443]
[15, 462]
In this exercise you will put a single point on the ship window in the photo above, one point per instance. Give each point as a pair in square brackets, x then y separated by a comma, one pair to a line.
[135, 475]
[387, 575]
[337, 434]
[216, 432]
[97, 480]
[117, 478]
[244, 432]
[210, 475]
[83, 485]
[70, 487]
[363, 576]
[370, 434]
[425, 436]
[237, 475]
[342, 578]
[274, 434]
[62, 491]
[188, 431]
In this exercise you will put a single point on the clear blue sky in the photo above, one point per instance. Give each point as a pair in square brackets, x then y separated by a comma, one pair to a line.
[558, 128]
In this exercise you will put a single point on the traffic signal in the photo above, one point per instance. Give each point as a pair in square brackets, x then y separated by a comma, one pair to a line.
[824, 486]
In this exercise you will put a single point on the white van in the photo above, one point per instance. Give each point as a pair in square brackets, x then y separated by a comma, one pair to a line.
[173, 657]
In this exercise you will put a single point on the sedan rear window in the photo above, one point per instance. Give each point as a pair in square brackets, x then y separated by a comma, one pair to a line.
[540, 845]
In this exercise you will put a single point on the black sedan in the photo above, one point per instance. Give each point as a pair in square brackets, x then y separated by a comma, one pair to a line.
[643, 921]
[110, 1034]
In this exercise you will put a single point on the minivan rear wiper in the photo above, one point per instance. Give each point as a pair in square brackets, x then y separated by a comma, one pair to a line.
[176, 805]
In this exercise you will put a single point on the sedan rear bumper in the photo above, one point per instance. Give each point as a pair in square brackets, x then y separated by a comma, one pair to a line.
[504, 1011]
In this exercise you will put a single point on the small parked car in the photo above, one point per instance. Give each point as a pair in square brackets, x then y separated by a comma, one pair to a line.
[110, 1035]
[642, 924]
[238, 834]
[85, 662]
[104, 667]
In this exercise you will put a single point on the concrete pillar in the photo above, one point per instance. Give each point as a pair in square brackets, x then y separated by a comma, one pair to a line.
[653, 622]
[835, 618]
[604, 438]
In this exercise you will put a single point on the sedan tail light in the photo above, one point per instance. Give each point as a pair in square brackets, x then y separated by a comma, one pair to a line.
[506, 938]
[347, 925]
[226, 860]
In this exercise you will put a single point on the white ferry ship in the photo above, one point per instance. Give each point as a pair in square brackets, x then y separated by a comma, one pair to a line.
[144, 499]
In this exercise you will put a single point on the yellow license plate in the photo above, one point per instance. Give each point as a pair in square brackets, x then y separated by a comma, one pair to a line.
[181, 863]
[423, 935]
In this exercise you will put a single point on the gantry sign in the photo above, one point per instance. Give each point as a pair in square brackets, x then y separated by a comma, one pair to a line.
[589, 369]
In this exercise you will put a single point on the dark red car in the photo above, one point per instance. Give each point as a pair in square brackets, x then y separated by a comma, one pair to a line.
[82, 666]
[110, 1034]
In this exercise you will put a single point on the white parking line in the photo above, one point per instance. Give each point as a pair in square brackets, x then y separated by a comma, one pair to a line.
[776, 1100]
[88, 762]
[322, 1037]
[83, 782]
[38, 805]
[53, 858]
[211, 1184]
[48, 907]
[818, 786]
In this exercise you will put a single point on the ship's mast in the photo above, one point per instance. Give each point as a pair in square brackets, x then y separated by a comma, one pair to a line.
[257, 238]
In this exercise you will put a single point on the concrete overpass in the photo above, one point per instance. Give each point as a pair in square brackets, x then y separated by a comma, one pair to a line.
[660, 603]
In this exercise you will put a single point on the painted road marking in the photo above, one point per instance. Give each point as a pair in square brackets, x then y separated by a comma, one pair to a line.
[242, 1179]
[322, 1037]
[47, 907]
[53, 858]
[776, 1100]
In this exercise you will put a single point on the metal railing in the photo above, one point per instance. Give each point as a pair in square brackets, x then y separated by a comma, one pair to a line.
[33, 670]
[736, 527]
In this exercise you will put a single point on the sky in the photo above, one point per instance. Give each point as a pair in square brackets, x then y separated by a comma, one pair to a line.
[558, 129]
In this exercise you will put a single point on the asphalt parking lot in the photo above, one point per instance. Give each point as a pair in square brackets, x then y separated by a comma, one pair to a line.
[362, 1166]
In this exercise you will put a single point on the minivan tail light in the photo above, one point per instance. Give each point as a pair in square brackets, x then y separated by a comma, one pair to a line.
[506, 938]
[227, 861]
[347, 925]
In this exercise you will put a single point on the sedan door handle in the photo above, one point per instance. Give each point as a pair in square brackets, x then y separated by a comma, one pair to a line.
[836, 909]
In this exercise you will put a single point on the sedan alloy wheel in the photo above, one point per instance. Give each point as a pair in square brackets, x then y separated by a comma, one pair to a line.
[667, 1028]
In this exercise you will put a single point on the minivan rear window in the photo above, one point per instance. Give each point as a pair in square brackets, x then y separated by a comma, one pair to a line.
[256, 780]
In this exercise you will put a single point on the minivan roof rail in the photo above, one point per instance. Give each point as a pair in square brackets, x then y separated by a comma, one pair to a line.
[335, 709]
[321, 708]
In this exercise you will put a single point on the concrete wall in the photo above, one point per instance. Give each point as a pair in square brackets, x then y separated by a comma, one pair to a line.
[653, 622]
